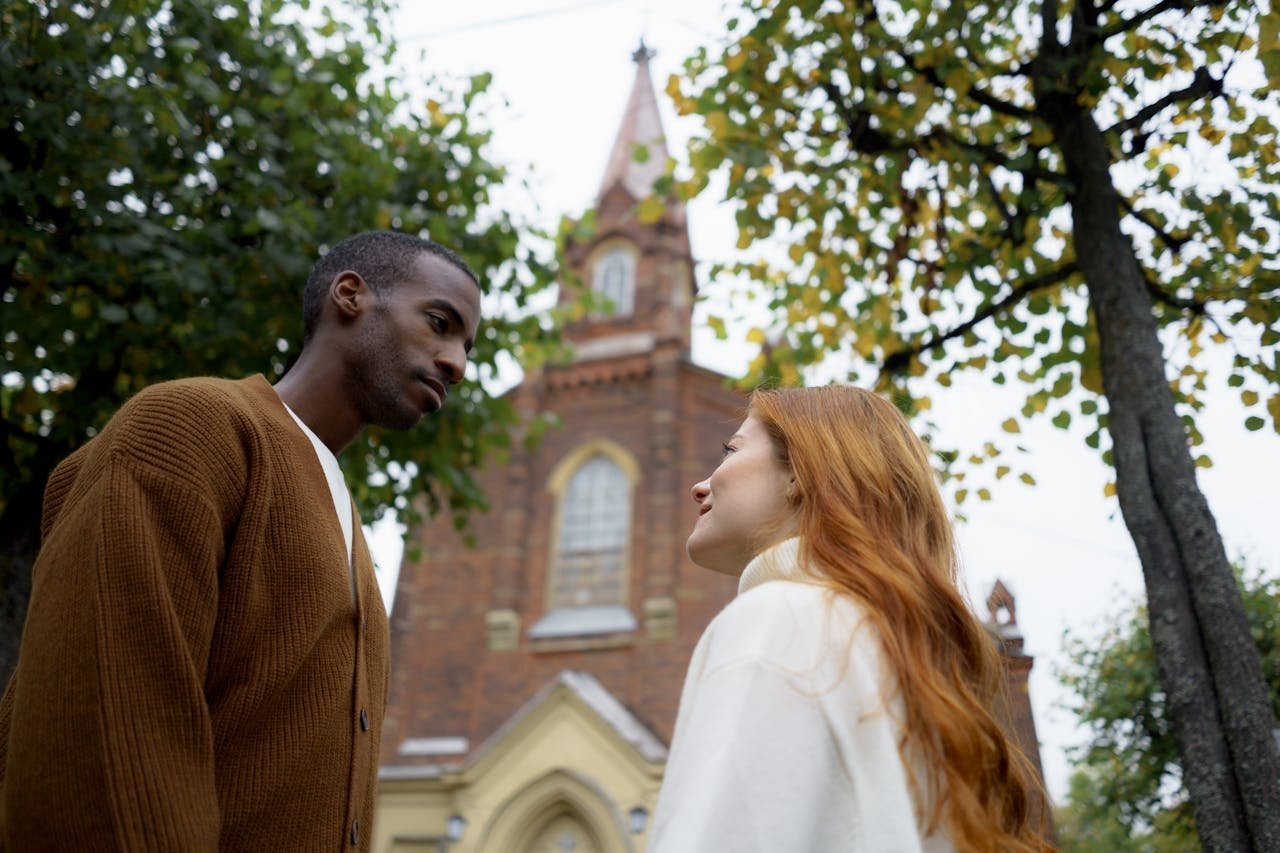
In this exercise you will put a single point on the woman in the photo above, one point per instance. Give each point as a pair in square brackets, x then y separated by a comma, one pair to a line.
[842, 700]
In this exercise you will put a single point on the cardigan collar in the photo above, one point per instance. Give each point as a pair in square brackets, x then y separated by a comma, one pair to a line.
[779, 562]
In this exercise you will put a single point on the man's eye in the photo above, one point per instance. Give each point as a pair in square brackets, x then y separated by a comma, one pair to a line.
[438, 323]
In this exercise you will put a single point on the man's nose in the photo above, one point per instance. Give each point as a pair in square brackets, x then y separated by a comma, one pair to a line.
[452, 362]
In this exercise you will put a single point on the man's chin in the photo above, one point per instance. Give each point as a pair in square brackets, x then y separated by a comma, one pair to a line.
[402, 419]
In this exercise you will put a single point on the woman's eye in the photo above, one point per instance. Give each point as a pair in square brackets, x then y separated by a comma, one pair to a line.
[727, 450]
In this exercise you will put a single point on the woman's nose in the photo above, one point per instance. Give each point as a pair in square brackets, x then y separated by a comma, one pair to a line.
[700, 491]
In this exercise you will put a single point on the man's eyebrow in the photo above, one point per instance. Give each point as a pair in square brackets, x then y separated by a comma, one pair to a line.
[454, 317]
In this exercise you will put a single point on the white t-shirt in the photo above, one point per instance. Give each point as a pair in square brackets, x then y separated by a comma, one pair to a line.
[337, 485]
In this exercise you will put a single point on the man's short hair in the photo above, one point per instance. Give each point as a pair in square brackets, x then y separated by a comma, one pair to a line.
[381, 258]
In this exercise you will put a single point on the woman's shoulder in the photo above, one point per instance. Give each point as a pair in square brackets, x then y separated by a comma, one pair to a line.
[785, 621]
[789, 604]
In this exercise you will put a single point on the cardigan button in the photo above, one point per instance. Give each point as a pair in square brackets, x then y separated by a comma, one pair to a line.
[355, 832]
[364, 720]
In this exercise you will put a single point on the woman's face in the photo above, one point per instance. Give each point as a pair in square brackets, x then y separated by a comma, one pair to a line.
[743, 507]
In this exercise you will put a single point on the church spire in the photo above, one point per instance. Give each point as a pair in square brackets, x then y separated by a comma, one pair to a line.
[640, 131]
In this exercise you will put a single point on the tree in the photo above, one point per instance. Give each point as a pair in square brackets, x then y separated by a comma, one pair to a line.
[1043, 191]
[169, 171]
[1127, 792]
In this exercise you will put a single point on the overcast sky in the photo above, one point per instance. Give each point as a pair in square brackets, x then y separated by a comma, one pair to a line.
[564, 69]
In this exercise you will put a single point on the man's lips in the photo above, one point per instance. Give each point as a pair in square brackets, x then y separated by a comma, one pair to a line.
[436, 387]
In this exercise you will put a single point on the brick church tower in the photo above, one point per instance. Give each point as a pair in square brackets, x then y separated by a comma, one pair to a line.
[535, 677]
[580, 567]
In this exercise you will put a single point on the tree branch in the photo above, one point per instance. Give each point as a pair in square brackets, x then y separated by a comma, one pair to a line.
[1009, 217]
[1159, 294]
[898, 360]
[1137, 20]
[857, 122]
[1173, 242]
[986, 99]
[864, 138]
[1049, 26]
[1201, 84]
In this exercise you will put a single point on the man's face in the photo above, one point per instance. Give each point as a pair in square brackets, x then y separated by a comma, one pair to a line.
[412, 344]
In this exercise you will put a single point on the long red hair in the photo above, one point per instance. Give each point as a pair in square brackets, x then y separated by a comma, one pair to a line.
[873, 521]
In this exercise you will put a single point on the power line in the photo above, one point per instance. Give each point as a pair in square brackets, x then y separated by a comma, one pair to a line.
[510, 19]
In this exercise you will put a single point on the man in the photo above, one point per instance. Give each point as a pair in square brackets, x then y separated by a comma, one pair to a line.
[204, 662]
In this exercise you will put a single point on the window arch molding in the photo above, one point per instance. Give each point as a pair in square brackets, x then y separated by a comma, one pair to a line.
[574, 459]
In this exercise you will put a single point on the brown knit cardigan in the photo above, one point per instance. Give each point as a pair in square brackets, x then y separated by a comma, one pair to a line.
[194, 674]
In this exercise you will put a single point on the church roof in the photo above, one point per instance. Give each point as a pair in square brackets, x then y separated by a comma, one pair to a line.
[582, 686]
[641, 129]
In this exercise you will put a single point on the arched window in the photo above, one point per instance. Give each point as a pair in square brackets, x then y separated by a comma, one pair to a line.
[588, 569]
[614, 280]
[595, 519]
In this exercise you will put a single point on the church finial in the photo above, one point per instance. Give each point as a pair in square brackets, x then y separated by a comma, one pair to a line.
[640, 130]
[643, 53]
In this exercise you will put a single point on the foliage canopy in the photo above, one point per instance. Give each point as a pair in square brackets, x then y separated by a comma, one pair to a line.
[895, 153]
[169, 172]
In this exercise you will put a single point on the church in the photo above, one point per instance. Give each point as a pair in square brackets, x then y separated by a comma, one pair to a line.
[535, 676]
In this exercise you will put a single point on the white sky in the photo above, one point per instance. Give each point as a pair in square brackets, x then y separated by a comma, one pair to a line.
[564, 68]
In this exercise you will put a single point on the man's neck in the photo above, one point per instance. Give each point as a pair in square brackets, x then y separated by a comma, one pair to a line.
[308, 389]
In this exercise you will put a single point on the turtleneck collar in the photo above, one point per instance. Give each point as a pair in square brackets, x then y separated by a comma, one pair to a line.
[779, 562]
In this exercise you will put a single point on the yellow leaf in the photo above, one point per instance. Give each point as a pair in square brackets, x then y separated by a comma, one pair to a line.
[1028, 479]
[1001, 471]
[1249, 398]
[1011, 425]
[1109, 490]
[1273, 407]
[437, 113]
[735, 60]
[650, 210]
[755, 336]
[1204, 462]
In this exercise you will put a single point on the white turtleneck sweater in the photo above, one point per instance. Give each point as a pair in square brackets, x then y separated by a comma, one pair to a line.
[787, 734]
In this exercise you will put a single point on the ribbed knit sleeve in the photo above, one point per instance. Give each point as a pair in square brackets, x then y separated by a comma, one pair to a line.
[111, 741]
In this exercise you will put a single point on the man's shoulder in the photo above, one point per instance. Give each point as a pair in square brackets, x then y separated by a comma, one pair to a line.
[201, 403]
[199, 391]
[198, 414]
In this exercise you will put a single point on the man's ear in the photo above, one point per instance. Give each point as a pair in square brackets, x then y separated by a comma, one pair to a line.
[348, 293]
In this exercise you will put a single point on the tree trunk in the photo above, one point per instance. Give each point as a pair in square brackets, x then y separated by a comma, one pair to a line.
[1209, 667]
